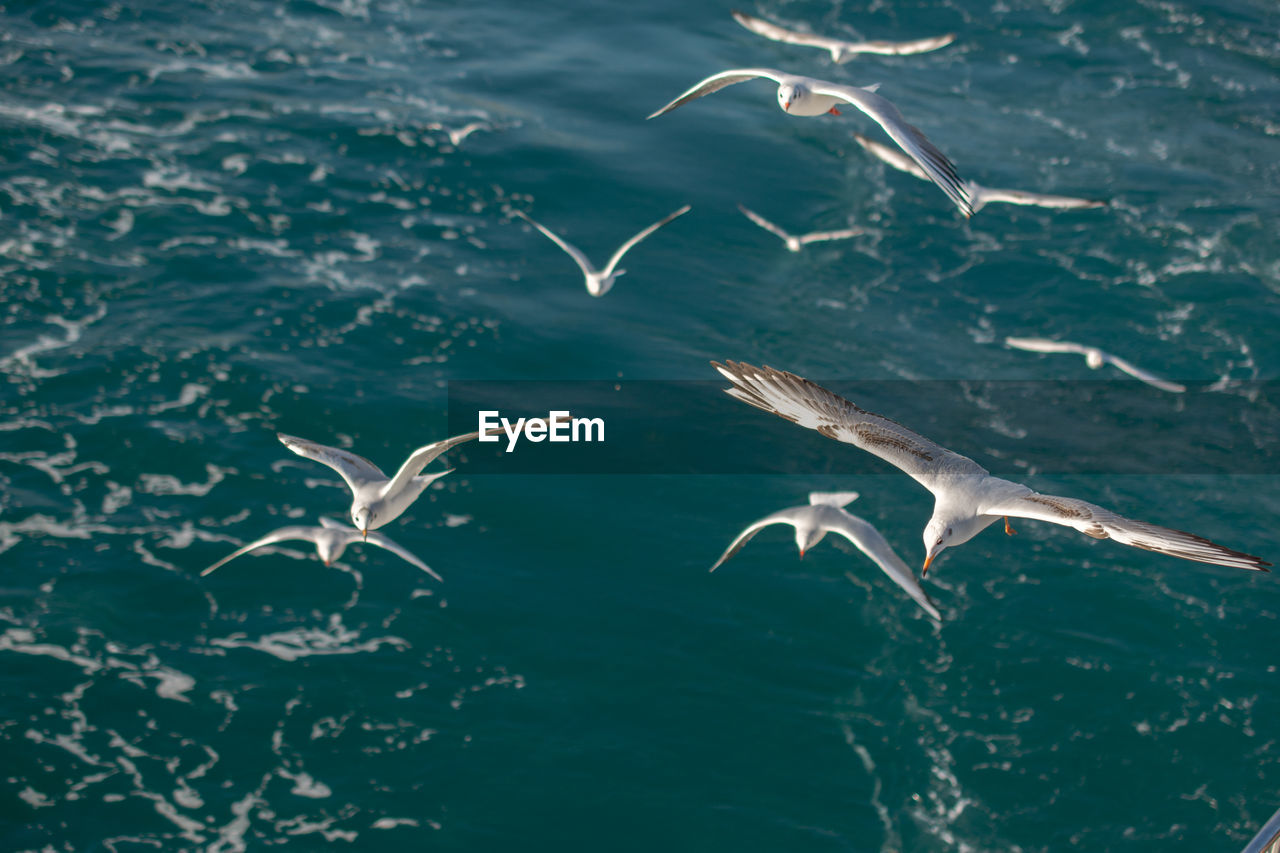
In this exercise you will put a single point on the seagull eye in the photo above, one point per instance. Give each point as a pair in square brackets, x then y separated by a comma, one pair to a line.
[948, 531]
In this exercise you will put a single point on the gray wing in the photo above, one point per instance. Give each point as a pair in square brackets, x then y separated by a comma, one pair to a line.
[355, 470]
[281, 535]
[376, 538]
[763, 223]
[1045, 345]
[1100, 523]
[900, 48]
[869, 541]
[770, 30]
[1146, 376]
[986, 195]
[809, 405]
[822, 236]
[420, 458]
[626, 247]
[892, 156]
[909, 138]
[782, 516]
[571, 250]
[717, 82]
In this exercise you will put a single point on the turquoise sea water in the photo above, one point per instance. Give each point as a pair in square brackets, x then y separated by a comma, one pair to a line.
[220, 220]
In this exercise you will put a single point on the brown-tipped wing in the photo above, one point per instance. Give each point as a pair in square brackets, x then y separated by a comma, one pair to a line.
[810, 405]
[420, 458]
[1101, 523]
[783, 516]
[354, 469]
[282, 535]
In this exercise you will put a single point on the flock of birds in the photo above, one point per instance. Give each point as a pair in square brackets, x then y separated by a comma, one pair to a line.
[968, 498]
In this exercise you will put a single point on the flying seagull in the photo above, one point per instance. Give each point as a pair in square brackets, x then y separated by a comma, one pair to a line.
[979, 195]
[795, 242]
[331, 539]
[967, 498]
[1095, 358]
[808, 96]
[376, 498]
[841, 50]
[599, 282]
[826, 514]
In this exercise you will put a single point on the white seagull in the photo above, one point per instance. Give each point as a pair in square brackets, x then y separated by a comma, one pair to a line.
[330, 540]
[376, 498]
[599, 282]
[979, 195]
[826, 514]
[1095, 358]
[967, 498]
[809, 96]
[795, 242]
[841, 50]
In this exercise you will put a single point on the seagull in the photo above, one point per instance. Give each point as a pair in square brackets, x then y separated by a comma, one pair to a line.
[841, 51]
[377, 499]
[967, 498]
[808, 96]
[979, 195]
[1095, 358]
[796, 241]
[826, 514]
[331, 539]
[599, 282]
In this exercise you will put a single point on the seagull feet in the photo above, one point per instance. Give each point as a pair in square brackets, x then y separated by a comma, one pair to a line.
[834, 111]
[1009, 531]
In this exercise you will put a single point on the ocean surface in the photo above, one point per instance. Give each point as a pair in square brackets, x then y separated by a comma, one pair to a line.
[219, 220]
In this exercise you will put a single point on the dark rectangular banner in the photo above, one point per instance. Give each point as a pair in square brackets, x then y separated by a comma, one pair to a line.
[1009, 427]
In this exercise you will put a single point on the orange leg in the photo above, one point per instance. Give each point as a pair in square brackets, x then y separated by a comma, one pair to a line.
[1007, 529]
[834, 111]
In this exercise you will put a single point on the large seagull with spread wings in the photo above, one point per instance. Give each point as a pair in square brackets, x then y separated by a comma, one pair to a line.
[967, 498]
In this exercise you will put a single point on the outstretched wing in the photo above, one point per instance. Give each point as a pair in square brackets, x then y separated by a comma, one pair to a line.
[764, 223]
[1045, 345]
[900, 48]
[355, 470]
[869, 541]
[909, 139]
[626, 247]
[823, 236]
[718, 81]
[810, 405]
[770, 30]
[571, 250]
[379, 539]
[986, 195]
[783, 516]
[420, 458]
[1145, 375]
[281, 535]
[1100, 523]
[892, 156]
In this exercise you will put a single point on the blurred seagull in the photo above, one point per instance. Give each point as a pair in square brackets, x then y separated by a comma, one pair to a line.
[979, 196]
[331, 539]
[376, 498]
[967, 498]
[808, 96]
[599, 282]
[841, 51]
[797, 241]
[825, 514]
[1095, 358]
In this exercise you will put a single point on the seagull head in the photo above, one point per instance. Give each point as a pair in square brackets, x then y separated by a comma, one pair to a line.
[807, 536]
[938, 536]
[363, 517]
[791, 94]
[330, 548]
[1094, 359]
[599, 285]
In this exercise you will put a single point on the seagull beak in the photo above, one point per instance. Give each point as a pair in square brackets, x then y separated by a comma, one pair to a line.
[364, 531]
[802, 553]
[327, 563]
[927, 561]
[786, 106]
